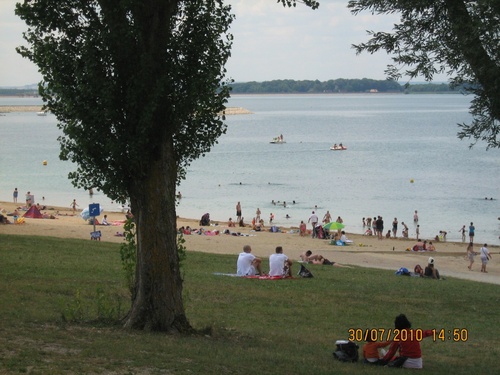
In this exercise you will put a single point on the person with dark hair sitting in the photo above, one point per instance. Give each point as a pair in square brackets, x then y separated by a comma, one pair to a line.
[430, 270]
[419, 270]
[407, 343]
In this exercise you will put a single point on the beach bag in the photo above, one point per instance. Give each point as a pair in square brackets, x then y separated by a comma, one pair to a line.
[346, 351]
[304, 272]
[403, 271]
[274, 229]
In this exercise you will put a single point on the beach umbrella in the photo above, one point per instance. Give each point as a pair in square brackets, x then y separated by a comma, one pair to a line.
[85, 214]
[333, 226]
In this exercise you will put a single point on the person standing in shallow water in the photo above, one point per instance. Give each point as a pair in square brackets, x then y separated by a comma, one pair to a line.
[395, 227]
[463, 231]
[257, 215]
[472, 229]
[15, 195]
[327, 218]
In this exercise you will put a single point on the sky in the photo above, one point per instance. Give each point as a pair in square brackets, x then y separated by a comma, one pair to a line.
[270, 42]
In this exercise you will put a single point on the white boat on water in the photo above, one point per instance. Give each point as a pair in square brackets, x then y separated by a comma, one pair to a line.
[41, 113]
[339, 147]
[278, 140]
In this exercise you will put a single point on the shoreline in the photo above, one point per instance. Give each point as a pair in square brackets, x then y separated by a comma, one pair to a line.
[366, 251]
[20, 108]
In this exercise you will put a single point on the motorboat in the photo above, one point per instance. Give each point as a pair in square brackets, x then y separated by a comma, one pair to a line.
[41, 113]
[339, 147]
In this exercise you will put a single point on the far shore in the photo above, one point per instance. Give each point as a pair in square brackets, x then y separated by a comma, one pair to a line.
[34, 108]
[366, 251]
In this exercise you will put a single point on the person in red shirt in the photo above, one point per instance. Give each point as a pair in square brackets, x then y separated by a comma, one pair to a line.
[407, 342]
[371, 353]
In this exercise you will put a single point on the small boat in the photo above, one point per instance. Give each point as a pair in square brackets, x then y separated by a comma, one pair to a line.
[278, 140]
[339, 147]
[41, 113]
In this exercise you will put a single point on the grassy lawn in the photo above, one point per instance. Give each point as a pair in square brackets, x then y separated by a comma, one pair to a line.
[60, 301]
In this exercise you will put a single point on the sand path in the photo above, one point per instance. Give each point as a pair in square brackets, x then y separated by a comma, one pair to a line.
[366, 251]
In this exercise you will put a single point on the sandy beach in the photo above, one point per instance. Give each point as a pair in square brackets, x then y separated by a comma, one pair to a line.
[366, 251]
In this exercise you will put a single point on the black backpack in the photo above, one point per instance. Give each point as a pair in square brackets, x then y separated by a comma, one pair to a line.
[304, 272]
[346, 351]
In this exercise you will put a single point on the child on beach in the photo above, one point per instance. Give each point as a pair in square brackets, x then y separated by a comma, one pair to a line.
[73, 205]
[373, 351]
[302, 228]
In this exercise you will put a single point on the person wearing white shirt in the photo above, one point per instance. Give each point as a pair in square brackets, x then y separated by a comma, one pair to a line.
[344, 239]
[313, 219]
[279, 264]
[105, 220]
[248, 264]
[485, 256]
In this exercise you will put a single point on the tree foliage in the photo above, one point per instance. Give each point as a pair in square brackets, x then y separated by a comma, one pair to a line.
[458, 37]
[137, 87]
[293, 3]
[122, 77]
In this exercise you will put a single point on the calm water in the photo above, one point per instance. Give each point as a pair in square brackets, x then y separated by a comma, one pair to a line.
[391, 140]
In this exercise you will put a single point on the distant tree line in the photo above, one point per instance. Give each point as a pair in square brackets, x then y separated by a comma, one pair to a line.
[18, 92]
[288, 86]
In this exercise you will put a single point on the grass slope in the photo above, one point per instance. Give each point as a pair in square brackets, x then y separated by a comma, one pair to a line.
[60, 300]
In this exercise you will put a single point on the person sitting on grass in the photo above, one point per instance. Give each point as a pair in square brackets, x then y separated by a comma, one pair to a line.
[430, 271]
[372, 350]
[248, 264]
[419, 270]
[410, 354]
[279, 264]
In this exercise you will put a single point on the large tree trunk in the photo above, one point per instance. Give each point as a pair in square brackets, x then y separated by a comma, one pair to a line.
[158, 304]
